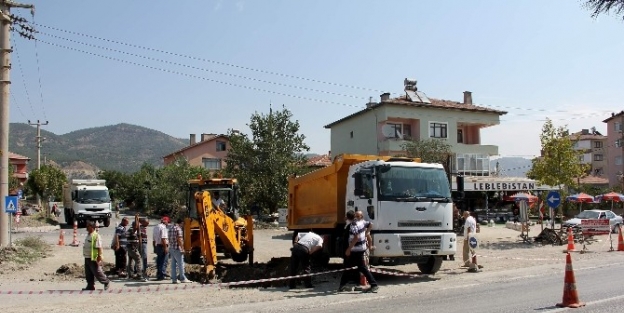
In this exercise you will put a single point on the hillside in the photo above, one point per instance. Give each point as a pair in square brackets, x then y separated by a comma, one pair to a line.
[121, 147]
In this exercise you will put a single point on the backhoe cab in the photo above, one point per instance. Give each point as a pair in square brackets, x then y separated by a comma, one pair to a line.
[212, 225]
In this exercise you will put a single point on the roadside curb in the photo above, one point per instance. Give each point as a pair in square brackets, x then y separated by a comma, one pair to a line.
[40, 229]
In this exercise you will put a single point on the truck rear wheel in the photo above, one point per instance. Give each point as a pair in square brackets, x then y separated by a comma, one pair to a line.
[431, 266]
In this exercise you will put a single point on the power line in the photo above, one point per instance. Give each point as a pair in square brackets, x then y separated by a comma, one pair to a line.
[248, 68]
[19, 65]
[208, 60]
[39, 72]
[202, 69]
[19, 108]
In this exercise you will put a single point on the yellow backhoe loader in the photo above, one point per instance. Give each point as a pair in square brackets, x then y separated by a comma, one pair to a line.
[213, 226]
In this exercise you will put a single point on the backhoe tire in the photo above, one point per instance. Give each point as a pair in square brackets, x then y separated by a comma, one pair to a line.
[431, 266]
[240, 257]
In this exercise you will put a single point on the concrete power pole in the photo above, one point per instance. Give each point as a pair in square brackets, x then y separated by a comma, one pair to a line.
[39, 139]
[5, 81]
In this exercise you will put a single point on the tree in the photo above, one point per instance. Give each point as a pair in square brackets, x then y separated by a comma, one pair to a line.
[559, 163]
[13, 181]
[605, 7]
[47, 181]
[264, 162]
[430, 150]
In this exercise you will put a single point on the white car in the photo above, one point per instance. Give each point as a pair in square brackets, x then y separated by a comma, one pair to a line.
[614, 220]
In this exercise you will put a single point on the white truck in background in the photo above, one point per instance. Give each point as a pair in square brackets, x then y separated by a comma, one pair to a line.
[87, 199]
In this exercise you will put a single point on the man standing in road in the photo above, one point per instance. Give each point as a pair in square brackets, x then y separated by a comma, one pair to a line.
[176, 250]
[470, 227]
[304, 245]
[120, 246]
[355, 253]
[143, 248]
[92, 252]
[161, 246]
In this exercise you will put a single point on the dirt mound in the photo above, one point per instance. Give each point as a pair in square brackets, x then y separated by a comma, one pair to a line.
[73, 270]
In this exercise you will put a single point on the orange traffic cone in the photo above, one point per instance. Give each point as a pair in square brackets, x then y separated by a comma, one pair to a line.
[570, 295]
[75, 241]
[620, 239]
[571, 247]
[61, 241]
[363, 280]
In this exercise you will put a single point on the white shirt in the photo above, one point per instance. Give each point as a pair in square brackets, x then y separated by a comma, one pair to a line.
[160, 232]
[310, 240]
[472, 223]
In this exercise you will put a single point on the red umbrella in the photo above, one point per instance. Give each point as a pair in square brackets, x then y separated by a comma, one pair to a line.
[580, 198]
[521, 196]
[611, 196]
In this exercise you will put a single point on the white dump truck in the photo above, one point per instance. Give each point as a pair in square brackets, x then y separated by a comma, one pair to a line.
[87, 199]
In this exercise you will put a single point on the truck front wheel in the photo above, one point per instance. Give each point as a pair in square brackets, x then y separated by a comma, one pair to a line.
[431, 266]
[69, 219]
[107, 222]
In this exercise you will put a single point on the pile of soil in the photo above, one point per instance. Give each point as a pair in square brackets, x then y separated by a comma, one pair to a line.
[6, 253]
[75, 271]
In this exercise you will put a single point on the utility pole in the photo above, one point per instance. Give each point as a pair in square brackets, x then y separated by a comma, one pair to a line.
[39, 140]
[5, 81]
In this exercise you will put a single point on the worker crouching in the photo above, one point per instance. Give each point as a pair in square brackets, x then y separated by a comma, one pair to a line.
[304, 245]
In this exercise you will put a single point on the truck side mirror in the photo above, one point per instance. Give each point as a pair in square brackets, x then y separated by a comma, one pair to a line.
[359, 190]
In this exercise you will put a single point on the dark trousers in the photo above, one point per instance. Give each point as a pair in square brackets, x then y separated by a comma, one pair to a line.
[94, 270]
[160, 262]
[133, 260]
[121, 259]
[300, 256]
[357, 259]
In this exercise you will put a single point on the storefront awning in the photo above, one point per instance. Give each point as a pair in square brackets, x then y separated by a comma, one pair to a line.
[485, 183]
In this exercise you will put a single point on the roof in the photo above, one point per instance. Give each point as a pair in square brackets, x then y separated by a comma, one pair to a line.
[16, 156]
[613, 115]
[580, 136]
[196, 144]
[435, 103]
[594, 180]
[319, 160]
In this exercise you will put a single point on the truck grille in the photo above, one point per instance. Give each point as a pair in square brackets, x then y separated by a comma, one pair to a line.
[419, 224]
[420, 242]
[94, 210]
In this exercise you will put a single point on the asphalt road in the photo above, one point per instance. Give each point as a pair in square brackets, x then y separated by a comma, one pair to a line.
[598, 286]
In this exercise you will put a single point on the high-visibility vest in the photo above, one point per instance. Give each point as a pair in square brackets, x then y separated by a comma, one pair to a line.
[94, 250]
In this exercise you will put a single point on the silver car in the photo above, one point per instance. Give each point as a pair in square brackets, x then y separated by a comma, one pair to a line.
[614, 220]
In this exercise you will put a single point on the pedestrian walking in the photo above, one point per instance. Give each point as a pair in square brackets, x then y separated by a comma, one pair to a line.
[120, 242]
[304, 245]
[134, 255]
[354, 253]
[92, 252]
[176, 251]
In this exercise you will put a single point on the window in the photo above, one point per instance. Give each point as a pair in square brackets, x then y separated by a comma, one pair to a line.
[581, 158]
[460, 136]
[617, 126]
[221, 145]
[437, 130]
[407, 131]
[598, 172]
[598, 157]
[212, 164]
[618, 160]
[396, 130]
[618, 143]
[597, 144]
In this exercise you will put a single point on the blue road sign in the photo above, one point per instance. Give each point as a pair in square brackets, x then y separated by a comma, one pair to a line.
[553, 199]
[20, 193]
[10, 204]
[472, 242]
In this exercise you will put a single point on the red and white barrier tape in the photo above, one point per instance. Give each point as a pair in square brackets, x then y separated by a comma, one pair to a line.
[193, 286]
[167, 287]
[517, 259]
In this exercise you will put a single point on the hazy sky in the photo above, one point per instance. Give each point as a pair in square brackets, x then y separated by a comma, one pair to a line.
[214, 63]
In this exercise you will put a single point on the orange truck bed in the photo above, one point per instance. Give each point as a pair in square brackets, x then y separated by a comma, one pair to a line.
[317, 199]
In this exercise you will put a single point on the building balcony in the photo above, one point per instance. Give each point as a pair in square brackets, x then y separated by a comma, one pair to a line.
[461, 148]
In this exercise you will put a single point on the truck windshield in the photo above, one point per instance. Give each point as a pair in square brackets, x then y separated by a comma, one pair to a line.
[399, 183]
[93, 196]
